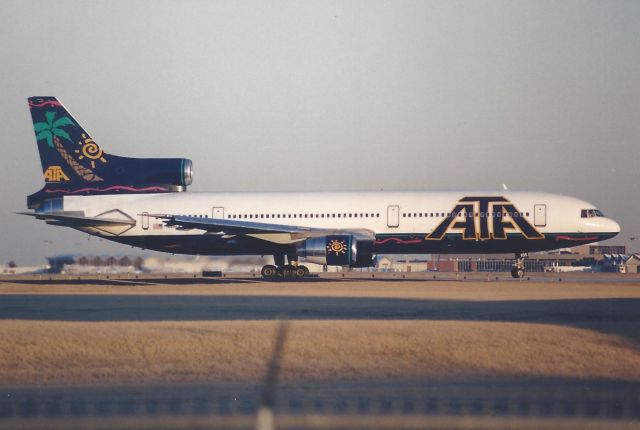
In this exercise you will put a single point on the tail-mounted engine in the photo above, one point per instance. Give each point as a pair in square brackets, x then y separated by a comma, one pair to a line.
[337, 250]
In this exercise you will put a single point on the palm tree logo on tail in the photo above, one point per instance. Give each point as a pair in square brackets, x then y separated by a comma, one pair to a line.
[52, 131]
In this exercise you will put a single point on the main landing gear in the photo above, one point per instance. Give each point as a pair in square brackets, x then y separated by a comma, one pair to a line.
[281, 270]
[517, 270]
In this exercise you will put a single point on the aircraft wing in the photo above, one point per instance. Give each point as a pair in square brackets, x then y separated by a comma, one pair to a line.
[277, 233]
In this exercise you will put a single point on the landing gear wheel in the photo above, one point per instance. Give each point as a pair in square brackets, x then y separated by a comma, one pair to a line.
[301, 271]
[269, 271]
[517, 272]
[288, 271]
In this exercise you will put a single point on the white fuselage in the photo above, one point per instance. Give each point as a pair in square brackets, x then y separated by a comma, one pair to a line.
[383, 213]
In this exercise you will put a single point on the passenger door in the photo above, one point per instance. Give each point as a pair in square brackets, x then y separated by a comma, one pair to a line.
[393, 216]
[217, 213]
[540, 215]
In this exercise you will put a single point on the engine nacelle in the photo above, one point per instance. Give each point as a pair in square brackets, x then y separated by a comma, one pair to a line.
[177, 172]
[336, 250]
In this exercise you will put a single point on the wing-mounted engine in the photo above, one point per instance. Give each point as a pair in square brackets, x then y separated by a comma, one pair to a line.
[337, 250]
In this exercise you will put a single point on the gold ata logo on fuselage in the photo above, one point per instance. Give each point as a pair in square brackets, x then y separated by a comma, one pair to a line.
[482, 218]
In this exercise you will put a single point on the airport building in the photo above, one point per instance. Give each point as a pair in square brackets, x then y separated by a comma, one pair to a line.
[72, 263]
[588, 260]
[122, 264]
[620, 263]
[495, 263]
[607, 249]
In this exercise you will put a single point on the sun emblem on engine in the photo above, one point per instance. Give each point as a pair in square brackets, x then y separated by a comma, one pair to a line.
[90, 150]
[337, 246]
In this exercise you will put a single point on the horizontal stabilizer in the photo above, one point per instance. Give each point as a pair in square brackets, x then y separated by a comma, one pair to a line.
[80, 221]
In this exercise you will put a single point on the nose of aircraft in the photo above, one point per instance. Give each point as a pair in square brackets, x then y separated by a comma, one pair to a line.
[601, 225]
[611, 226]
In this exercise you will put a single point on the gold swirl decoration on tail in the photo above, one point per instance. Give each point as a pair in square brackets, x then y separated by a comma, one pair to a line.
[93, 152]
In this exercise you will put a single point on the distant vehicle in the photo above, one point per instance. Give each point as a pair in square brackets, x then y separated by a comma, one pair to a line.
[22, 270]
[143, 202]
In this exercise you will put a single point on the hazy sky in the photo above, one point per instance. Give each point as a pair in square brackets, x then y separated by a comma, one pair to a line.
[540, 95]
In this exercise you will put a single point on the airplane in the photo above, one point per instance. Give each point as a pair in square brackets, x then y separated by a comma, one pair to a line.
[143, 202]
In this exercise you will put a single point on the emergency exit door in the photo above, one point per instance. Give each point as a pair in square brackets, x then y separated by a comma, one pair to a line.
[540, 215]
[217, 213]
[144, 218]
[393, 216]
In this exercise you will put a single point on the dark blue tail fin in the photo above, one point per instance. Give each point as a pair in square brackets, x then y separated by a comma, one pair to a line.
[73, 164]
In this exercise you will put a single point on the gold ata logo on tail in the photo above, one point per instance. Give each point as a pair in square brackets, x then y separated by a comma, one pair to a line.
[55, 174]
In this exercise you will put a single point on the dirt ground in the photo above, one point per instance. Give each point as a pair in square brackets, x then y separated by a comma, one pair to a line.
[547, 343]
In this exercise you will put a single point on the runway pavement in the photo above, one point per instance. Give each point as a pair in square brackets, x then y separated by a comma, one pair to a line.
[610, 315]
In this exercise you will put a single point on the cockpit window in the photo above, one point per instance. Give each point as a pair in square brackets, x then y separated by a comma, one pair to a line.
[590, 213]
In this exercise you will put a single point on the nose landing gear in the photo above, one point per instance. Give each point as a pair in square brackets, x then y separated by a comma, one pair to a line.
[517, 270]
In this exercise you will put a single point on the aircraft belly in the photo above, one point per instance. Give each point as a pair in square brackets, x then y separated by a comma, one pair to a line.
[204, 244]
